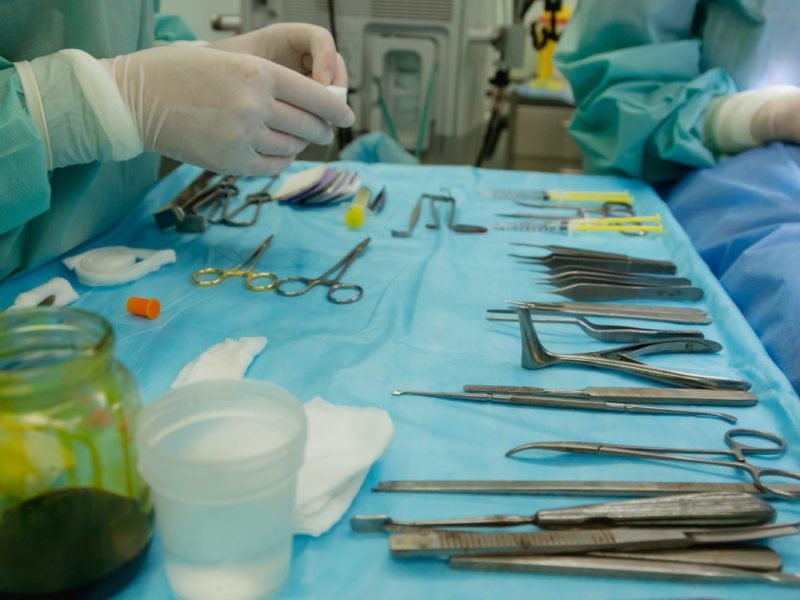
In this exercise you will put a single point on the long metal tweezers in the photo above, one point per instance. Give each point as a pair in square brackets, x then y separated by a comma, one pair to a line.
[626, 489]
[569, 403]
[619, 567]
[575, 541]
[627, 311]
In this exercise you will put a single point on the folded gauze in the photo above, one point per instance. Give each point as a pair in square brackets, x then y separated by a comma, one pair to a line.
[58, 287]
[342, 442]
[226, 360]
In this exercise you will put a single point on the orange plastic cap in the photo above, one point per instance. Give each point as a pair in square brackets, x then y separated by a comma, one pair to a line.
[149, 308]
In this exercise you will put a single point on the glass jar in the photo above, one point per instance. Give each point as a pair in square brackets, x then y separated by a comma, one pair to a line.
[73, 507]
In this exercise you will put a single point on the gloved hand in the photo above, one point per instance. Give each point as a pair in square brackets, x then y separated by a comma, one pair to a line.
[307, 49]
[229, 112]
[749, 119]
[226, 111]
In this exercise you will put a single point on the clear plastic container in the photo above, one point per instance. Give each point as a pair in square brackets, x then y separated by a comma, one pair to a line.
[221, 458]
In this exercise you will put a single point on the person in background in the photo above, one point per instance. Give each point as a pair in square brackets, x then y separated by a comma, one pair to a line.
[87, 103]
[689, 94]
[663, 87]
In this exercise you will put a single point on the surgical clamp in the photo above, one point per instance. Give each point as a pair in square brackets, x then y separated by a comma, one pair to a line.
[736, 450]
[570, 403]
[722, 509]
[334, 285]
[211, 276]
[536, 356]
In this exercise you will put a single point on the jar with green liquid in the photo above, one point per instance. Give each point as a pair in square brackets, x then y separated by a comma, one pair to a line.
[73, 508]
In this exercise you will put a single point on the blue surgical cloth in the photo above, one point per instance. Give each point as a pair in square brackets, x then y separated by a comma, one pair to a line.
[744, 218]
[422, 325]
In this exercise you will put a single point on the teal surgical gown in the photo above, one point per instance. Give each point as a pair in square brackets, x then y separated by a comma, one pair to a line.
[44, 214]
[644, 72]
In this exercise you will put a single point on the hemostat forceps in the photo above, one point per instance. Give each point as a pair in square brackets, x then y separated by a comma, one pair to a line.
[736, 450]
[211, 276]
[536, 356]
[334, 285]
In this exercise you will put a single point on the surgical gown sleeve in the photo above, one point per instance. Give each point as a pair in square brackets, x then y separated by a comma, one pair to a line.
[24, 185]
[640, 89]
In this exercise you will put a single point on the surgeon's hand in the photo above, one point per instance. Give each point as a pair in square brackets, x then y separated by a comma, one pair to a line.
[748, 119]
[228, 112]
[307, 49]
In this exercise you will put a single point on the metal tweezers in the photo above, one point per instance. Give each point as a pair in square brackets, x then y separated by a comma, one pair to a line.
[626, 311]
[613, 333]
[569, 403]
[536, 356]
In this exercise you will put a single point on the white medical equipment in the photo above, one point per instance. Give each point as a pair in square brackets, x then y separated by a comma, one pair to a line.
[429, 61]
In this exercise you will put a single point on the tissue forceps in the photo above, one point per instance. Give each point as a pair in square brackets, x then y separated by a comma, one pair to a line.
[625, 311]
[610, 291]
[552, 401]
[614, 333]
[211, 276]
[334, 285]
[736, 450]
[536, 356]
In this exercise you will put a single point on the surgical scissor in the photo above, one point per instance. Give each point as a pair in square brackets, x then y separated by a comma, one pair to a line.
[334, 285]
[736, 450]
[211, 276]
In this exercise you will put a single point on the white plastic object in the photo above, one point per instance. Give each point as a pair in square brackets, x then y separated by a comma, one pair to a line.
[115, 265]
[338, 91]
[57, 287]
[226, 360]
[221, 458]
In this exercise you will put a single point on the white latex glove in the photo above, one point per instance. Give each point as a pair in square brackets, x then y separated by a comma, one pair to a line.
[228, 112]
[307, 49]
[749, 119]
